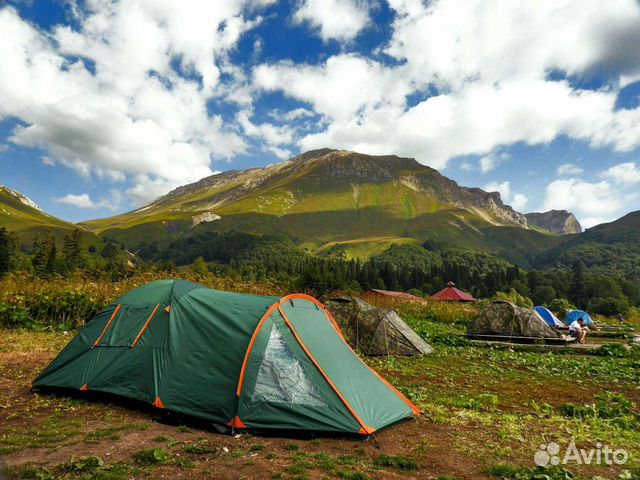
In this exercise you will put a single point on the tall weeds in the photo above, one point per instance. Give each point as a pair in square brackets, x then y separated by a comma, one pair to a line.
[67, 303]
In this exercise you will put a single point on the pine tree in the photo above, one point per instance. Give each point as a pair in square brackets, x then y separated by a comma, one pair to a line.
[200, 267]
[44, 253]
[71, 249]
[576, 290]
[7, 250]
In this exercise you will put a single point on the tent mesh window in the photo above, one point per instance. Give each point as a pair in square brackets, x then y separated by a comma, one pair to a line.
[281, 378]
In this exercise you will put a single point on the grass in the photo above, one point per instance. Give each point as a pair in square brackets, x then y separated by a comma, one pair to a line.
[400, 462]
[489, 408]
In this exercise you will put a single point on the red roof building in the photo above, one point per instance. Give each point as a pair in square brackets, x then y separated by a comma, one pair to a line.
[452, 294]
[391, 294]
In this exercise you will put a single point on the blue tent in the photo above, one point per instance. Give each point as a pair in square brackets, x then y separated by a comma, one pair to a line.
[576, 315]
[548, 316]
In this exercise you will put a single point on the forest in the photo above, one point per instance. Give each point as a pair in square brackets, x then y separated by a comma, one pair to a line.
[418, 269]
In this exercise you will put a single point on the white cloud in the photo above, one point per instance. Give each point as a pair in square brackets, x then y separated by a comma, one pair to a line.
[519, 201]
[503, 188]
[335, 19]
[491, 67]
[341, 88]
[98, 98]
[84, 201]
[272, 134]
[466, 166]
[591, 202]
[491, 161]
[625, 173]
[496, 40]
[291, 115]
[569, 169]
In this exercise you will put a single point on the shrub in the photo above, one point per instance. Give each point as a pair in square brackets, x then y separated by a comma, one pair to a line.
[560, 306]
[514, 297]
[612, 350]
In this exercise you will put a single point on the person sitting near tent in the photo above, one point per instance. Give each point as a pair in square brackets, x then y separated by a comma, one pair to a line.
[577, 330]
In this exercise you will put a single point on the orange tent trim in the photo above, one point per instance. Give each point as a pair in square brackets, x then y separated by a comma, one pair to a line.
[115, 312]
[414, 409]
[158, 403]
[268, 313]
[365, 428]
[146, 324]
[84, 388]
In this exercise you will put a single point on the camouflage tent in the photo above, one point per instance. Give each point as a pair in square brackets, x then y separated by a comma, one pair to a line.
[375, 331]
[506, 319]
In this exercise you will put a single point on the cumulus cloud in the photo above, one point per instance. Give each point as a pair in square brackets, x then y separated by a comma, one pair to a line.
[569, 169]
[499, 39]
[272, 134]
[625, 173]
[84, 201]
[490, 69]
[592, 202]
[125, 94]
[504, 189]
[334, 19]
[517, 200]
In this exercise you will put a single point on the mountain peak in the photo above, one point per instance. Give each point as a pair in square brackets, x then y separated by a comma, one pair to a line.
[20, 197]
[559, 222]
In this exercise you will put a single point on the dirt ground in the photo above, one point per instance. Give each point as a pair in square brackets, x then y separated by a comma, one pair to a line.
[44, 434]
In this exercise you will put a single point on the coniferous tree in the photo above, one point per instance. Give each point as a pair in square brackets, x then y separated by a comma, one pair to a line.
[577, 290]
[71, 249]
[7, 250]
[44, 253]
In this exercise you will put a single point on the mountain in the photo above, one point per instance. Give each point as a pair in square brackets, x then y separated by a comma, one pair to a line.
[23, 216]
[559, 222]
[330, 202]
[610, 248]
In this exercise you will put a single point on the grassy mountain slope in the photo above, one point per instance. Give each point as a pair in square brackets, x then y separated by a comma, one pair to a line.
[610, 247]
[21, 215]
[328, 201]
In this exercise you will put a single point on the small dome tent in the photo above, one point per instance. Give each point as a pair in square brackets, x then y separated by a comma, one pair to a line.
[244, 361]
[548, 316]
[508, 320]
[576, 315]
[375, 331]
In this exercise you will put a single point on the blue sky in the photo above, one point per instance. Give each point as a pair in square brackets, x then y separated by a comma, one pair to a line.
[104, 105]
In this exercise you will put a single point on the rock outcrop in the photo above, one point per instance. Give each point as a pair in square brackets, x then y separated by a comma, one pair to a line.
[559, 222]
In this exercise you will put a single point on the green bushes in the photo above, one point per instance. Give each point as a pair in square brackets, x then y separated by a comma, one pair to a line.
[612, 350]
[64, 309]
[609, 406]
[67, 303]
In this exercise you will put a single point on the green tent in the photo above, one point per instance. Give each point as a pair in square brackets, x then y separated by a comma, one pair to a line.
[244, 361]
